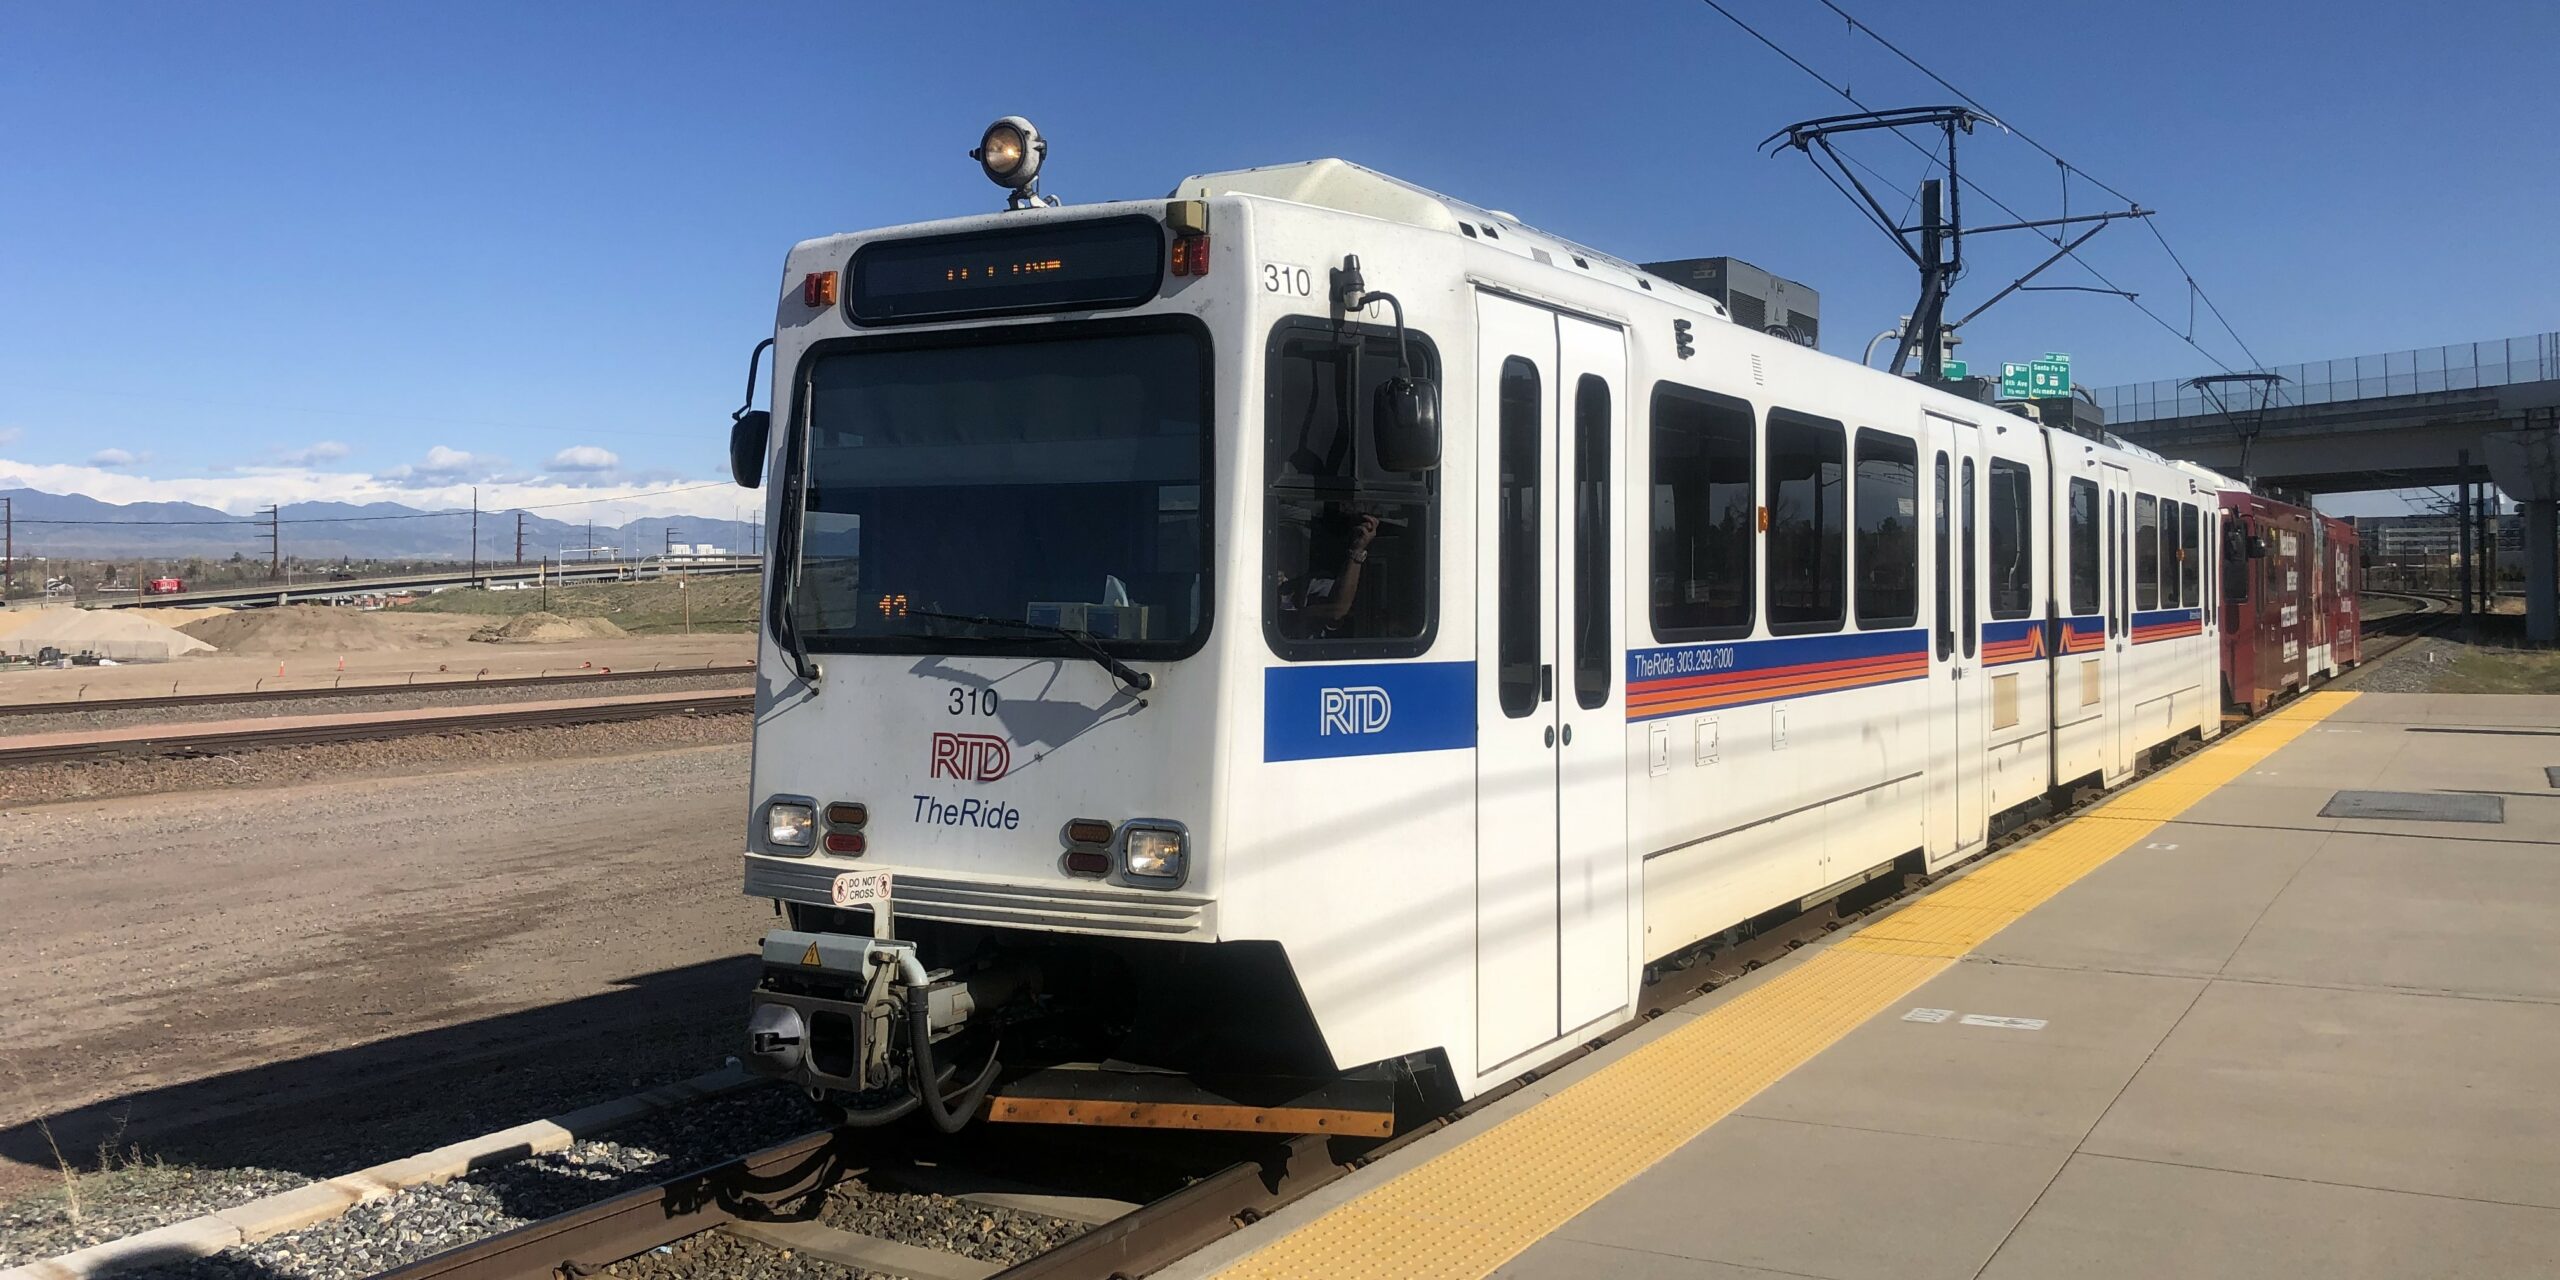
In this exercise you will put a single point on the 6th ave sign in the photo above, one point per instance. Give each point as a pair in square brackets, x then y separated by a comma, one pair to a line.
[2037, 379]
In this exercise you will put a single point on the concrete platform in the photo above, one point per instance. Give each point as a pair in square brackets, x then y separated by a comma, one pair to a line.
[2216, 1034]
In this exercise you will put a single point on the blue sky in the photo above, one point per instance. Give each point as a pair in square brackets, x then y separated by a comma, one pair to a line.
[283, 251]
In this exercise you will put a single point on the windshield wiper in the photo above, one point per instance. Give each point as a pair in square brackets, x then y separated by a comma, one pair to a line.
[1083, 641]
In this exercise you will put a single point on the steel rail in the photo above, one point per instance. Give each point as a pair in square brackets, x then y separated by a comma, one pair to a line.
[182, 740]
[249, 696]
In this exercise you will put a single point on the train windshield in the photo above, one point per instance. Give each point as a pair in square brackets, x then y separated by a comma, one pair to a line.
[977, 492]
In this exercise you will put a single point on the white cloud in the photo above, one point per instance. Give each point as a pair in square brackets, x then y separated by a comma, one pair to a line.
[584, 457]
[113, 458]
[442, 461]
[319, 451]
[246, 488]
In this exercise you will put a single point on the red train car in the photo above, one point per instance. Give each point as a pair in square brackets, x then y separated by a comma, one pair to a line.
[2291, 582]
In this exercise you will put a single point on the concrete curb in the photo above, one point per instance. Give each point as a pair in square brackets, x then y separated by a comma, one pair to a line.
[271, 1216]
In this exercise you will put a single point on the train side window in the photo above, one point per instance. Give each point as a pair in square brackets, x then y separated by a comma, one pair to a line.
[2084, 547]
[1335, 585]
[1945, 615]
[1888, 550]
[1808, 485]
[2168, 554]
[2013, 546]
[1593, 659]
[1701, 516]
[1520, 610]
[2146, 552]
[1971, 626]
[2115, 564]
[2189, 590]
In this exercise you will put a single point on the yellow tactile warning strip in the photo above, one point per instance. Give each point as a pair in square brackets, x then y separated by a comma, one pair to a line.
[1471, 1209]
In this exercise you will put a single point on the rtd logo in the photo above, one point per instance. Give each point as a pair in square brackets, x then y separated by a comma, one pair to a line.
[1354, 709]
[970, 757]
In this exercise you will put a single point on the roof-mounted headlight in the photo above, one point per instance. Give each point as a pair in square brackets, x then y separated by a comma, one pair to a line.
[1010, 152]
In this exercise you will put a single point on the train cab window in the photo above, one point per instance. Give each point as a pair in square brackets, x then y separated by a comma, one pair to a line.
[1808, 485]
[1701, 516]
[1593, 658]
[1520, 613]
[2013, 543]
[1350, 568]
[2084, 547]
[1888, 550]
[2189, 589]
[1945, 615]
[2146, 552]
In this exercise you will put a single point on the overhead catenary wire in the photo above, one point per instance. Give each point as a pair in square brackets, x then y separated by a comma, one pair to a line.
[2196, 289]
[2186, 336]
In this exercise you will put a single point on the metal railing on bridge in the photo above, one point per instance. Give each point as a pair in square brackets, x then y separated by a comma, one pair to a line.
[2463, 366]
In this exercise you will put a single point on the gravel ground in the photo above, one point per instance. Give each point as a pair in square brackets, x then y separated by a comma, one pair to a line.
[428, 1220]
[124, 1201]
[396, 699]
[27, 785]
[2413, 668]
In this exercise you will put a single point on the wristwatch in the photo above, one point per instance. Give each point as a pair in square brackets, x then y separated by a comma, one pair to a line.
[1359, 555]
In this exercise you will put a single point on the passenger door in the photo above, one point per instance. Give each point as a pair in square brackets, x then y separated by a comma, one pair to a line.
[1594, 909]
[1958, 692]
[2116, 658]
[1517, 862]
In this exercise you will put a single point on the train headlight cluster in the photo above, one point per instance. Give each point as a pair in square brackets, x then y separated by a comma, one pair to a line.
[1154, 853]
[789, 824]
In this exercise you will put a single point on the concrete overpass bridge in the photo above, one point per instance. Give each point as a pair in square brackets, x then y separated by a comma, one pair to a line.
[2436, 416]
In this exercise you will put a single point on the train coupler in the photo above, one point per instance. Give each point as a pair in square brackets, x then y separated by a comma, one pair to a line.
[856, 1022]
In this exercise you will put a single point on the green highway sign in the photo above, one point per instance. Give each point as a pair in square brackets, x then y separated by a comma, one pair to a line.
[2015, 382]
[2047, 378]
[1953, 370]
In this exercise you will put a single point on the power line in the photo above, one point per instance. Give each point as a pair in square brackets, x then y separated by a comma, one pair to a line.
[2068, 169]
[1977, 188]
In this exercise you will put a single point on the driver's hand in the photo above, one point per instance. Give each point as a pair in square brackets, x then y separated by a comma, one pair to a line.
[1368, 532]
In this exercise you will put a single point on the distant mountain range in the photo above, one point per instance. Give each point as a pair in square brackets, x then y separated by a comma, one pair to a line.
[333, 530]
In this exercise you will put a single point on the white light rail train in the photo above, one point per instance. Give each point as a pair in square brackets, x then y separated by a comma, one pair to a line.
[1302, 647]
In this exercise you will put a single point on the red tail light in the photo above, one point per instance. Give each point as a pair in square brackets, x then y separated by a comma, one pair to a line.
[1190, 255]
[1087, 863]
[846, 842]
[818, 289]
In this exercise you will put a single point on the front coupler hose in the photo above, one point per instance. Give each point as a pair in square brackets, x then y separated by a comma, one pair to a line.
[949, 1117]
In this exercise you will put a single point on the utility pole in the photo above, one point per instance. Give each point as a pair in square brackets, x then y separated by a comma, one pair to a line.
[275, 542]
[2462, 521]
[591, 539]
[475, 535]
[519, 539]
[8, 549]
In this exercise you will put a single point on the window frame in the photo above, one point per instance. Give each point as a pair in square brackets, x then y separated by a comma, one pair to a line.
[2081, 535]
[1909, 455]
[2190, 573]
[1942, 529]
[1591, 544]
[2026, 511]
[1320, 649]
[1720, 402]
[2146, 586]
[1509, 571]
[1797, 419]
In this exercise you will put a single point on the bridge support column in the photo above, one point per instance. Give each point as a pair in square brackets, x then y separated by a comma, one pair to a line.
[2541, 571]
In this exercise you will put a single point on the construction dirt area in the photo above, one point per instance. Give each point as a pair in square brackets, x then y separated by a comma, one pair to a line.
[313, 976]
[315, 646]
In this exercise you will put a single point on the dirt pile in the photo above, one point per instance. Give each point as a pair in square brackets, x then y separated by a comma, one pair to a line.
[103, 631]
[314, 628]
[547, 628]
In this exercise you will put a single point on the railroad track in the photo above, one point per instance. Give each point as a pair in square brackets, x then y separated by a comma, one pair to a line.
[215, 737]
[772, 1197]
[249, 697]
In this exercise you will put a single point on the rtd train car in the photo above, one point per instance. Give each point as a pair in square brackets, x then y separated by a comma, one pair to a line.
[1252, 656]
[2292, 581]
